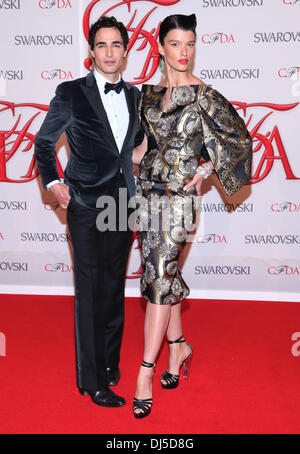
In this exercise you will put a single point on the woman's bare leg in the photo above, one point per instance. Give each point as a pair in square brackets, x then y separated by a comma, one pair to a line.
[156, 323]
[174, 330]
[160, 320]
[180, 351]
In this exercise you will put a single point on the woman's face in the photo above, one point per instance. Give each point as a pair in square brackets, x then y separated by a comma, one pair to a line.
[178, 49]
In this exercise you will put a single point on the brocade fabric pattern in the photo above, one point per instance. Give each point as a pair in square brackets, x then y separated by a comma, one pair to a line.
[198, 123]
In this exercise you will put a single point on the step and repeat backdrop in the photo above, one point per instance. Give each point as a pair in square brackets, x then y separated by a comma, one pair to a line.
[245, 246]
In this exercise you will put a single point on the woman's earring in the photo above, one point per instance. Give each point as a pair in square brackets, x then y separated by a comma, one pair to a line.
[161, 66]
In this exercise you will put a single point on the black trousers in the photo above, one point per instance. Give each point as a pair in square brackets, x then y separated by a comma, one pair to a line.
[100, 260]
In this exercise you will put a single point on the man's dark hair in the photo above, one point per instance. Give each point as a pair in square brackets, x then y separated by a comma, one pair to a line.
[180, 21]
[108, 22]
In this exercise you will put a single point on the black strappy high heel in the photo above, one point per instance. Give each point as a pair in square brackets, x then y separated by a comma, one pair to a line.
[143, 404]
[172, 380]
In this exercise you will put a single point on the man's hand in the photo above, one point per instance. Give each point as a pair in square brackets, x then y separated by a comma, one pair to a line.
[61, 193]
[196, 181]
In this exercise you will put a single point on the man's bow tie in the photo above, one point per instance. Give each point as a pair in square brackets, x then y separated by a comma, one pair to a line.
[116, 87]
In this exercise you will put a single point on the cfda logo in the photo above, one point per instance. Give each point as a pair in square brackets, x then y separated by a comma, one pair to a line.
[268, 145]
[285, 270]
[60, 4]
[290, 2]
[59, 74]
[290, 207]
[217, 37]
[292, 72]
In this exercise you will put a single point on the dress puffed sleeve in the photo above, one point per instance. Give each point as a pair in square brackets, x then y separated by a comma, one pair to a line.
[226, 138]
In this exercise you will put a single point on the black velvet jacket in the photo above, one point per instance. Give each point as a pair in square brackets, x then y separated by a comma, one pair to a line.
[94, 165]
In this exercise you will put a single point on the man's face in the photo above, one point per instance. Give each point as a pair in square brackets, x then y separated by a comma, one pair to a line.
[108, 51]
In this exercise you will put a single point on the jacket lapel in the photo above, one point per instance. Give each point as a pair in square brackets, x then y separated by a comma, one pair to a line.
[129, 94]
[91, 92]
[93, 96]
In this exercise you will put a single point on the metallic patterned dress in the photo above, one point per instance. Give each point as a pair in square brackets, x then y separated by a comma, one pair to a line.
[199, 123]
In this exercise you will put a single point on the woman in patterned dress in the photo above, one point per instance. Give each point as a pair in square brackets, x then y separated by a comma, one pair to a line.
[184, 121]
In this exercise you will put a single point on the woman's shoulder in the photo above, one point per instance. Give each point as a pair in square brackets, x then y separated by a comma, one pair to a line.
[196, 81]
[192, 82]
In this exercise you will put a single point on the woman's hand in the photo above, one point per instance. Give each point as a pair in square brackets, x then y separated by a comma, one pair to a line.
[138, 152]
[197, 182]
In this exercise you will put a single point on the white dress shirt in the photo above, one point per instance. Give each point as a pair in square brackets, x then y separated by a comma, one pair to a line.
[116, 109]
[117, 113]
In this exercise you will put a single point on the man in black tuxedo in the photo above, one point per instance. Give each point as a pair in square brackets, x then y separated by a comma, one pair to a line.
[99, 115]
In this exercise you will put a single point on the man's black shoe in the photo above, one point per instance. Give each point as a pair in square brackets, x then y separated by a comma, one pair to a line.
[113, 376]
[105, 398]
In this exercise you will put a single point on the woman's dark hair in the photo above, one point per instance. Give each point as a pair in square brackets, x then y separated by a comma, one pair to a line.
[181, 21]
[108, 22]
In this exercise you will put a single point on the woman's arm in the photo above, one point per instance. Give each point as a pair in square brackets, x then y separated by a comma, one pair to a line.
[139, 151]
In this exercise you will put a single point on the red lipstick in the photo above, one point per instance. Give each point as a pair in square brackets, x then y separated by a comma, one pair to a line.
[183, 61]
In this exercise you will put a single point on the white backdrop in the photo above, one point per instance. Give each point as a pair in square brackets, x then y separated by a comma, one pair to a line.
[246, 246]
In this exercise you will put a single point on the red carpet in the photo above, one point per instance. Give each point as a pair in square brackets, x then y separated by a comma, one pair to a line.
[244, 378]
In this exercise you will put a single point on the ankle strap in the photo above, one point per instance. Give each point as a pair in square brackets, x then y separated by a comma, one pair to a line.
[145, 364]
[177, 341]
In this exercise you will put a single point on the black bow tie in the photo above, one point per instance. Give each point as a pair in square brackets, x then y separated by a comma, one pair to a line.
[116, 87]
